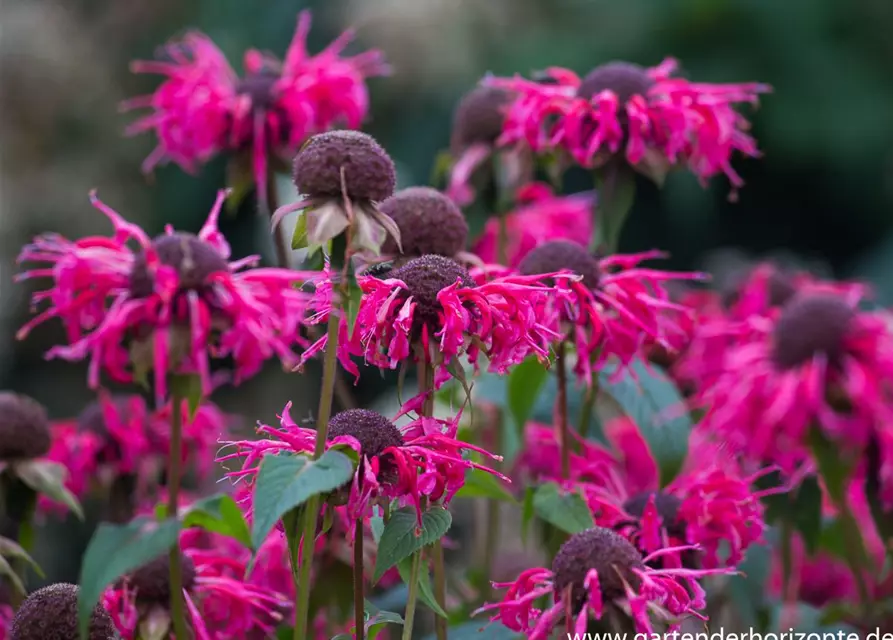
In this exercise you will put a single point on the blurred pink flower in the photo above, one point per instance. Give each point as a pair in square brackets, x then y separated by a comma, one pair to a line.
[659, 120]
[420, 459]
[594, 571]
[117, 437]
[612, 309]
[431, 308]
[168, 306]
[540, 217]
[203, 107]
[819, 361]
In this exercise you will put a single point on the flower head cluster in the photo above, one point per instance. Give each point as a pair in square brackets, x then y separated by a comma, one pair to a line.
[225, 600]
[52, 612]
[203, 107]
[598, 573]
[432, 309]
[540, 217]
[422, 459]
[117, 438]
[821, 363]
[169, 306]
[711, 505]
[613, 309]
[656, 119]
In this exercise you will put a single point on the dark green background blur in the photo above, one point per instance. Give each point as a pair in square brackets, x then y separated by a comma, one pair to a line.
[823, 191]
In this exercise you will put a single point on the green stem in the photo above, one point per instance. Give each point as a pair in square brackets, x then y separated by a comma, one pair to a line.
[178, 607]
[20, 503]
[616, 186]
[588, 406]
[412, 596]
[787, 561]
[359, 601]
[491, 540]
[564, 432]
[311, 515]
[280, 244]
[426, 385]
[502, 240]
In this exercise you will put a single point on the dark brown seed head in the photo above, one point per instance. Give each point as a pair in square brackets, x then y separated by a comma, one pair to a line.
[260, 88]
[369, 172]
[667, 508]
[51, 613]
[425, 277]
[429, 222]
[554, 256]
[609, 553]
[780, 287]
[625, 79]
[193, 259]
[479, 117]
[809, 325]
[374, 432]
[24, 427]
[152, 581]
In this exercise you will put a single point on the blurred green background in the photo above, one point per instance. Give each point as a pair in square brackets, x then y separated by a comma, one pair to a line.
[823, 193]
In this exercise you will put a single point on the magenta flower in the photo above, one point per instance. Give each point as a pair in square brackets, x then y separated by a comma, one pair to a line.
[477, 125]
[118, 439]
[203, 107]
[820, 362]
[169, 306]
[613, 309]
[659, 121]
[420, 459]
[224, 601]
[598, 572]
[541, 217]
[431, 308]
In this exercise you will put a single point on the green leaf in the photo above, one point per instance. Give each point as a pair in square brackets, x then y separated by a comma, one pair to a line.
[806, 512]
[219, 514]
[12, 549]
[353, 307]
[377, 525]
[402, 537]
[834, 468]
[566, 511]
[480, 484]
[116, 550]
[239, 179]
[426, 591]
[299, 237]
[288, 481]
[48, 478]
[648, 401]
[747, 588]
[190, 388]
[616, 185]
[524, 385]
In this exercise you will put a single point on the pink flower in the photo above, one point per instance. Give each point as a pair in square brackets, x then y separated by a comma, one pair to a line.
[202, 107]
[224, 600]
[117, 439]
[541, 217]
[659, 121]
[169, 306]
[612, 309]
[596, 571]
[710, 504]
[723, 320]
[420, 459]
[6, 616]
[477, 124]
[431, 308]
[818, 362]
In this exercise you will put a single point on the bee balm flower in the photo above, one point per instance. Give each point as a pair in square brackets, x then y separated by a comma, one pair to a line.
[203, 107]
[52, 612]
[598, 572]
[168, 306]
[655, 119]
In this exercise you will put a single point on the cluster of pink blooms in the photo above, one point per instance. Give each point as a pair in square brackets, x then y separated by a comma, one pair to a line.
[203, 107]
[661, 120]
[120, 438]
[422, 459]
[169, 306]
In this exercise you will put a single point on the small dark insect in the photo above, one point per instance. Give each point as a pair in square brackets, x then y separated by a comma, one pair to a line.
[379, 270]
